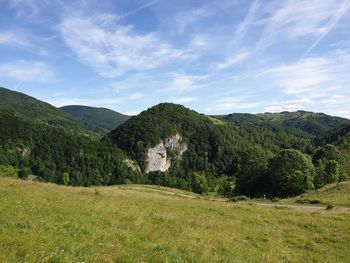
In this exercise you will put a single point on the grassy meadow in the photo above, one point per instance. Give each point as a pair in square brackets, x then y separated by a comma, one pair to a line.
[337, 194]
[49, 223]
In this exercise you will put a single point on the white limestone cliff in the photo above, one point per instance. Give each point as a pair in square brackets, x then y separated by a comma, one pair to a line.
[158, 158]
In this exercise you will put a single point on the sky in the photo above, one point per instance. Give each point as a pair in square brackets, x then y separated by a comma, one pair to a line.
[213, 56]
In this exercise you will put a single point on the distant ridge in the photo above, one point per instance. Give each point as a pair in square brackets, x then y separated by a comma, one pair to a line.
[24, 106]
[101, 117]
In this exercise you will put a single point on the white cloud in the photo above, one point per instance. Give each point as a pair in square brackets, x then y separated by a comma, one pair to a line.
[13, 38]
[185, 83]
[313, 75]
[135, 96]
[18, 39]
[330, 25]
[244, 26]
[35, 71]
[288, 105]
[100, 102]
[236, 103]
[293, 19]
[236, 59]
[113, 51]
[183, 100]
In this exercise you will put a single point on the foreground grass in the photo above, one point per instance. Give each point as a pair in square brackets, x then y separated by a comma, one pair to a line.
[49, 223]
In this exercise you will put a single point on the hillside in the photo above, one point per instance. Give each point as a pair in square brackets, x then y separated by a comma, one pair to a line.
[196, 143]
[303, 123]
[101, 117]
[24, 106]
[335, 194]
[49, 223]
[50, 152]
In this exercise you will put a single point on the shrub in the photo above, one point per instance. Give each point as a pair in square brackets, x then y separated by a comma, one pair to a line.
[24, 172]
[308, 201]
[329, 207]
[239, 198]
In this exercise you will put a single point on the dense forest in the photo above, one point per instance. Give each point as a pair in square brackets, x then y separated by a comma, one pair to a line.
[103, 118]
[59, 156]
[21, 105]
[268, 154]
[246, 158]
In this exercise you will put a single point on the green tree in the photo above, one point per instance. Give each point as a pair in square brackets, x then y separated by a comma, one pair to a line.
[329, 162]
[332, 171]
[253, 166]
[199, 183]
[292, 173]
[227, 186]
[65, 178]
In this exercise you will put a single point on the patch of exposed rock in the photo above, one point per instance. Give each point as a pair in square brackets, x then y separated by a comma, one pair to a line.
[158, 158]
[131, 164]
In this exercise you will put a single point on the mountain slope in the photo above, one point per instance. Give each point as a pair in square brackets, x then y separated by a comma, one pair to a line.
[101, 117]
[303, 123]
[21, 105]
[49, 152]
[212, 146]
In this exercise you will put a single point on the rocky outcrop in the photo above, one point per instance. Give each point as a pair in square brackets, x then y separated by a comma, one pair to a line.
[158, 157]
[131, 164]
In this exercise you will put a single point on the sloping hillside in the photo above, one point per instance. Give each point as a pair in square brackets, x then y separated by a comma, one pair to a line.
[24, 106]
[101, 117]
[300, 123]
[50, 152]
[335, 194]
[211, 146]
[50, 223]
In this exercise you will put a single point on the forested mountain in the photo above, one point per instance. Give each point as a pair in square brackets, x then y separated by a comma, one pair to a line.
[59, 156]
[302, 123]
[21, 105]
[215, 149]
[274, 154]
[101, 117]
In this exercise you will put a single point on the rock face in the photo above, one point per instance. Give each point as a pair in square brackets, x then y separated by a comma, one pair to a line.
[158, 158]
[131, 164]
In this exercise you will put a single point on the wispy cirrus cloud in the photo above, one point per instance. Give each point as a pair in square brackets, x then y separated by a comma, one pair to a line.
[31, 71]
[233, 60]
[182, 100]
[13, 38]
[112, 51]
[21, 40]
[312, 75]
[185, 82]
[97, 102]
[293, 19]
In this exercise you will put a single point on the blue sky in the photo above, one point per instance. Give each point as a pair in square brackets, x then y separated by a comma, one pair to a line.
[218, 56]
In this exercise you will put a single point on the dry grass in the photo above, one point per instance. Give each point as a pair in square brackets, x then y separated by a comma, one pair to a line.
[49, 223]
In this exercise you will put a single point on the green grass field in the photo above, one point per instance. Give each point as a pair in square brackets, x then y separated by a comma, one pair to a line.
[335, 194]
[49, 223]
